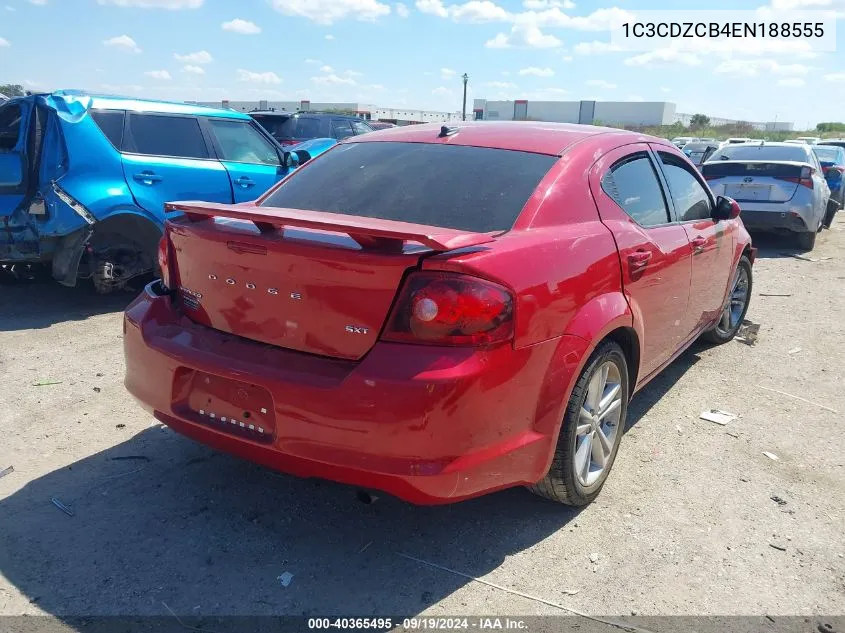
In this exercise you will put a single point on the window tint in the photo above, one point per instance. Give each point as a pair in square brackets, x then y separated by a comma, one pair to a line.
[307, 127]
[361, 128]
[453, 186]
[240, 142]
[341, 129]
[10, 127]
[633, 185]
[762, 152]
[691, 200]
[110, 123]
[158, 135]
[281, 127]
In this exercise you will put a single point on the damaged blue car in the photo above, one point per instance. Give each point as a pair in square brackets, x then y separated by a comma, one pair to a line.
[84, 177]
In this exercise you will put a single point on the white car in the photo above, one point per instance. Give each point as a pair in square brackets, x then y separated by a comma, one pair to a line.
[680, 141]
[805, 140]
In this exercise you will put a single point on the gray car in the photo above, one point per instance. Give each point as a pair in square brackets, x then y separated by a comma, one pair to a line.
[780, 187]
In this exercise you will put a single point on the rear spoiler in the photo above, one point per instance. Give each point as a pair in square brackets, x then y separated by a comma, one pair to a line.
[372, 233]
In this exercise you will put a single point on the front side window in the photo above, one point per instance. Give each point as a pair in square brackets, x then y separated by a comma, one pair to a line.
[691, 200]
[10, 126]
[361, 128]
[163, 135]
[341, 129]
[240, 142]
[633, 185]
[469, 188]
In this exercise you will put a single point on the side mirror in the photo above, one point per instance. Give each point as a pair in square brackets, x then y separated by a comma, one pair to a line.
[726, 209]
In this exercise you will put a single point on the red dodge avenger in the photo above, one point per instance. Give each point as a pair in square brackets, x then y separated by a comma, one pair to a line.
[440, 312]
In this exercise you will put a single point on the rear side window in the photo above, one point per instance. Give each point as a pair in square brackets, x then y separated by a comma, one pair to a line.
[633, 185]
[110, 123]
[162, 135]
[468, 188]
[240, 142]
[10, 127]
[307, 127]
[691, 200]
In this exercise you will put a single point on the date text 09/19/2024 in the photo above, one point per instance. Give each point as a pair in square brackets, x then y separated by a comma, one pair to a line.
[418, 624]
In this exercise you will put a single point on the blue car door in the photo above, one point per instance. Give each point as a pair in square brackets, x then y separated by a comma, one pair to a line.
[14, 176]
[166, 157]
[252, 160]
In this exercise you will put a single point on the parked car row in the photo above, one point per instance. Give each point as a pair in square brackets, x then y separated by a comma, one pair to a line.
[84, 178]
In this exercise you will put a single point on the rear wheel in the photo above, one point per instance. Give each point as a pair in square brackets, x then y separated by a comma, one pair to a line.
[807, 241]
[591, 430]
[737, 305]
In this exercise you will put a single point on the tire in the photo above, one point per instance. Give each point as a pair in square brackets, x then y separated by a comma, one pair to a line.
[832, 206]
[561, 483]
[720, 333]
[806, 241]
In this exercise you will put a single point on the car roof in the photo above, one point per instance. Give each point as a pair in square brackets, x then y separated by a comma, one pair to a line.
[527, 136]
[66, 98]
[282, 113]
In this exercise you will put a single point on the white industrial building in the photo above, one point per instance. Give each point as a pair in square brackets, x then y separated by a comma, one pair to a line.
[587, 112]
[763, 126]
[367, 111]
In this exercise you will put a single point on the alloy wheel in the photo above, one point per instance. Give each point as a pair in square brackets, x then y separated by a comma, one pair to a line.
[735, 307]
[598, 424]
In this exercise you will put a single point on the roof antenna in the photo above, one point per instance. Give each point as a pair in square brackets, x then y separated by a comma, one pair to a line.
[445, 131]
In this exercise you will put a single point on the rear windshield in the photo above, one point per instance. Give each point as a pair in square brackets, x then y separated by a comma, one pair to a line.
[468, 188]
[762, 152]
[833, 143]
[828, 154]
[291, 127]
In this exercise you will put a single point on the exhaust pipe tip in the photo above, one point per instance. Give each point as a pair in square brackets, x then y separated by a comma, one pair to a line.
[365, 497]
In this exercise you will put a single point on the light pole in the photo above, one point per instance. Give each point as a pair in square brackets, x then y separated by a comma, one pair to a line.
[464, 108]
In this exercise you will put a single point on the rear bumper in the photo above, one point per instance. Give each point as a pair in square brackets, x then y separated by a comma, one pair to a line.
[427, 424]
[779, 218]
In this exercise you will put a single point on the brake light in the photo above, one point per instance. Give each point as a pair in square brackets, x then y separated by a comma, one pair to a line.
[806, 178]
[436, 308]
[164, 260]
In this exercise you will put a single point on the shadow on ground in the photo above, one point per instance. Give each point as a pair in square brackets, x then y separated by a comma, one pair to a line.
[161, 520]
[775, 246]
[37, 304]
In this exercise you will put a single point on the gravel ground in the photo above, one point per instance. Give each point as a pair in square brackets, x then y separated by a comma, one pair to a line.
[686, 524]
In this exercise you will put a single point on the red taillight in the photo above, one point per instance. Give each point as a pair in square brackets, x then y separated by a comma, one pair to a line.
[437, 308]
[164, 260]
[806, 178]
[708, 177]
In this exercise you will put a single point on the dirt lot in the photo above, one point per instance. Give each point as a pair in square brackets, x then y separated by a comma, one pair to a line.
[686, 524]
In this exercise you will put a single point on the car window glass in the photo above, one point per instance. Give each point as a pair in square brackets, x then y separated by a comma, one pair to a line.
[341, 129]
[437, 185]
[10, 126]
[762, 152]
[361, 128]
[110, 123]
[690, 197]
[240, 142]
[158, 135]
[307, 127]
[633, 185]
[281, 127]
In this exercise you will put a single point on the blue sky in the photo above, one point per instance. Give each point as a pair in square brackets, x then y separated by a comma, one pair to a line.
[410, 54]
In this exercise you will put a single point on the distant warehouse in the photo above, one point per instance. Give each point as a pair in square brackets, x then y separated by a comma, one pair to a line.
[587, 112]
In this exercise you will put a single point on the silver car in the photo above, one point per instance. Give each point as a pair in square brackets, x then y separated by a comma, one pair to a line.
[780, 187]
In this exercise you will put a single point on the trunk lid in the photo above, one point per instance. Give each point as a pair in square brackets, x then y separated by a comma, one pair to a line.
[754, 181]
[315, 282]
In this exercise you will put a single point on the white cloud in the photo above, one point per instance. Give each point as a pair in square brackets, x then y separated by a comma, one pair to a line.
[443, 91]
[791, 82]
[596, 48]
[258, 78]
[40, 3]
[539, 5]
[155, 4]
[123, 42]
[447, 73]
[537, 72]
[402, 10]
[501, 85]
[195, 70]
[664, 55]
[244, 27]
[665, 89]
[200, 57]
[333, 80]
[353, 73]
[568, 58]
[329, 36]
[600, 83]
[753, 67]
[835, 77]
[159, 74]
[477, 11]
[326, 69]
[375, 86]
[330, 11]
[598, 20]
[432, 7]
[524, 35]
[831, 8]
[4, 43]
[316, 62]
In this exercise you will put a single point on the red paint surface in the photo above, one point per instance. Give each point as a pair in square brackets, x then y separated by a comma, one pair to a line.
[429, 423]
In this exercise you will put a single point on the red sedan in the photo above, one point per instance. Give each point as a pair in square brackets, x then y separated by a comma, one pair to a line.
[440, 312]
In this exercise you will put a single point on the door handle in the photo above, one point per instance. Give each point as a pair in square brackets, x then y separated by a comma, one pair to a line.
[245, 181]
[639, 260]
[698, 245]
[147, 177]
